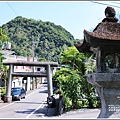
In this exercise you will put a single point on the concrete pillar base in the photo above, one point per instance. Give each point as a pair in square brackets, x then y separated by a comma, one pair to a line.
[110, 101]
[108, 89]
[8, 99]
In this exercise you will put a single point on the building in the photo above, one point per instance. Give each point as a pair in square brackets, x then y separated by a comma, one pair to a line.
[25, 82]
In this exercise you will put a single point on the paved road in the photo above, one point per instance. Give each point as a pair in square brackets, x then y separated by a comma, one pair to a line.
[34, 106]
[81, 113]
[26, 108]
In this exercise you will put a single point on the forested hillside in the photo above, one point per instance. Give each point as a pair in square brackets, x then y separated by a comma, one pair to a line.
[50, 39]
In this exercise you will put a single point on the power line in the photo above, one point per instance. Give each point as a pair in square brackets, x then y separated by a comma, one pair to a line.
[12, 8]
[105, 4]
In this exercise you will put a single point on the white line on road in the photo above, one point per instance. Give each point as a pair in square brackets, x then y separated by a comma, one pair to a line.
[32, 92]
[36, 109]
[8, 104]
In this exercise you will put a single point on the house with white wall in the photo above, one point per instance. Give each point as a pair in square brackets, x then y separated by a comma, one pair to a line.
[17, 81]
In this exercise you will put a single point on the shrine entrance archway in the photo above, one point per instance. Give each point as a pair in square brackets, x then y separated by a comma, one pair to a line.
[48, 74]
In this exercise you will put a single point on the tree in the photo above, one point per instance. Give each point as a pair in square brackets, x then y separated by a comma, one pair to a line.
[70, 84]
[53, 39]
[3, 69]
[73, 80]
[90, 65]
[73, 58]
[5, 75]
[3, 37]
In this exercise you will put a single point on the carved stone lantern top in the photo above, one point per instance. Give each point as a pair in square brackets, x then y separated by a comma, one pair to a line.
[105, 42]
[106, 33]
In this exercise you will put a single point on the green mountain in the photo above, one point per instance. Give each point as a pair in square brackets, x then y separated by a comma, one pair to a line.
[50, 40]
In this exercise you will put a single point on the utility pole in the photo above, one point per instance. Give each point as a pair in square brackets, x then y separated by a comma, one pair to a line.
[33, 55]
[33, 45]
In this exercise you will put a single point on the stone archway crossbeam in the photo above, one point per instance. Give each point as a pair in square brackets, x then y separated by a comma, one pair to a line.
[48, 74]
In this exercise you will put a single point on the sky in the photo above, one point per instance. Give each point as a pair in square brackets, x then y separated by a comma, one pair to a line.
[74, 16]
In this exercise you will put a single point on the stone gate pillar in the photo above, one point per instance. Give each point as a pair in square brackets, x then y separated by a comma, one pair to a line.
[28, 83]
[49, 77]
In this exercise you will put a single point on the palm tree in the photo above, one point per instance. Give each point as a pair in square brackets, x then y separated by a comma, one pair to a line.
[73, 58]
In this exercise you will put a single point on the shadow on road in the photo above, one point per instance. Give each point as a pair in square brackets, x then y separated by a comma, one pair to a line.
[44, 91]
[44, 111]
[37, 112]
[29, 102]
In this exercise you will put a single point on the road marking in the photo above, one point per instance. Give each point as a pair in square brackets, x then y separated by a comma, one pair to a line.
[32, 93]
[36, 109]
[7, 105]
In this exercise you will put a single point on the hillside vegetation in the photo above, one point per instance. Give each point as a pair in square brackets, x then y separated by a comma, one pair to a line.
[50, 40]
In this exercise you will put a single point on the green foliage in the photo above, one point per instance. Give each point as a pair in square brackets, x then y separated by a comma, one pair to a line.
[73, 58]
[3, 37]
[90, 65]
[4, 76]
[50, 39]
[70, 84]
[3, 92]
[76, 90]
[3, 68]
